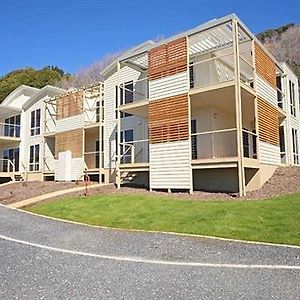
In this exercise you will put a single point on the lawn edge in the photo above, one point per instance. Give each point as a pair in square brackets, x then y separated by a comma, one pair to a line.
[154, 231]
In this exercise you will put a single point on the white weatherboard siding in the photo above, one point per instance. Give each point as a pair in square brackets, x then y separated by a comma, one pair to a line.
[269, 154]
[266, 91]
[70, 123]
[126, 74]
[170, 165]
[68, 168]
[168, 86]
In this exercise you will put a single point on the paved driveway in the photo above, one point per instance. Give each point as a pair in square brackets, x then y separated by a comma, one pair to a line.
[46, 259]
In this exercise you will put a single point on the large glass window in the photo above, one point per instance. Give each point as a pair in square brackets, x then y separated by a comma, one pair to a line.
[12, 126]
[35, 124]
[126, 95]
[295, 146]
[13, 155]
[34, 158]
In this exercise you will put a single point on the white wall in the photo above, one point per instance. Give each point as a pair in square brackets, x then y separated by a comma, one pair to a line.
[170, 166]
[138, 124]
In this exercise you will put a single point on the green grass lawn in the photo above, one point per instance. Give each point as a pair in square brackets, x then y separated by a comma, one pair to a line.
[275, 220]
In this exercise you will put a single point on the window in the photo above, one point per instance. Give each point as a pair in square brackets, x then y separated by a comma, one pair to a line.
[12, 126]
[292, 98]
[126, 140]
[295, 146]
[191, 72]
[34, 158]
[194, 139]
[279, 94]
[282, 144]
[13, 155]
[126, 97]
[35, 127]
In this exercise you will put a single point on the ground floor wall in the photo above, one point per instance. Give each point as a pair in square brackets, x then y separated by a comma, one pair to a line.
[216, 180]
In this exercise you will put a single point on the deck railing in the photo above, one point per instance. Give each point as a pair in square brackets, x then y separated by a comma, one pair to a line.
[135, 152]
[92, 159]
[10, 130]
[214, 144]
[7, 166]
[219, 69]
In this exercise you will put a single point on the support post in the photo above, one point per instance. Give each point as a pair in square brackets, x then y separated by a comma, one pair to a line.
[118, 157]
[238, 110]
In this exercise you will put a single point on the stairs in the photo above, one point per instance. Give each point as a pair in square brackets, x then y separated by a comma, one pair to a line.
[19, 177]
[128, 178]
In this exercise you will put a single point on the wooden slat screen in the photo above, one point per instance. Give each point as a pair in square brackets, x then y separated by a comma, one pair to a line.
[68, 105]
[168, 59]
[168, 119]
[265, 66]
[70, 140]
[268, 123]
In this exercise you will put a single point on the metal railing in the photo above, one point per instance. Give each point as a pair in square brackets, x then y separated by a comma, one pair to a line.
[219, 69]
[214, 144]
[10, 130]
[134, 91]
[92, 159]
[135, 152]
[7, 166]
[249, 144]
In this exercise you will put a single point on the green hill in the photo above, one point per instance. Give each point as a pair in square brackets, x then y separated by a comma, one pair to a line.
[29, 76]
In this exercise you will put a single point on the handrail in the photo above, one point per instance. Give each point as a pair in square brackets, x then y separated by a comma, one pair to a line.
[10, 166]
[214, 131]
[131, 147]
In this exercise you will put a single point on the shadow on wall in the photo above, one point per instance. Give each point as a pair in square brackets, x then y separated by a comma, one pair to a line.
[216, 180]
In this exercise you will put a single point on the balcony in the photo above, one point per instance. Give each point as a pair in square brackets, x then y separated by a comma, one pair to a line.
[135, 155]
[134, 97]
[9, 133]
[218, 148]
[7, 168]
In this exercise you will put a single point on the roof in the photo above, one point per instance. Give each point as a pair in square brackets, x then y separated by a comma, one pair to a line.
[21, 90]
[47, 90]
[217, 37]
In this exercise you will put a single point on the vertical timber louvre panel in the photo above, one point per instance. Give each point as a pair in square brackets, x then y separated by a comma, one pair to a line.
[268, 123]
[265, 66]
[69, 105]
[168, 59]
[70, 140]
[168, 119]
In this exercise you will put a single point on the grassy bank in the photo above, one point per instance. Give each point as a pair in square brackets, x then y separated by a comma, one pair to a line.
[275, 220]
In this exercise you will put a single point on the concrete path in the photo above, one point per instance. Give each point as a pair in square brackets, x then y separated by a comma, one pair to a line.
[33, 200]
[44, 258]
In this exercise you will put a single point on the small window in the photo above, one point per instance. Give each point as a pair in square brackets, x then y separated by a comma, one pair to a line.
[292, 98]
[34, 158]
[12, 126]
[295, 146]
[35, 124]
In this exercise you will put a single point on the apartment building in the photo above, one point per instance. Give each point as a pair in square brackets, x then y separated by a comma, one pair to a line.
[22, 132]
[208, 109]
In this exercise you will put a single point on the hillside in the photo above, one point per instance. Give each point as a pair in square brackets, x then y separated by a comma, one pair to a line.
[284, 44]
[29, 76]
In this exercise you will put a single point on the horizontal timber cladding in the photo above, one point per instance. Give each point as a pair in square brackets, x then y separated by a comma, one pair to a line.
[268, 123]
[168, 59]
[170, 165]
[168, 119]
[70, 140]
[70, 104]
[265, 66]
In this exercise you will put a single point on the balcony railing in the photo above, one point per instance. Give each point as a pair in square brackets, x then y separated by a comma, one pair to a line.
[222, 144]
[7, 166]
[219, 69]
[214, 144]
[92, 160]
[135, 152]
[10, 130]
[134, 91]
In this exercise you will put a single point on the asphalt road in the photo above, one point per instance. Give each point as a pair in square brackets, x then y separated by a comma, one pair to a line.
[47, 259]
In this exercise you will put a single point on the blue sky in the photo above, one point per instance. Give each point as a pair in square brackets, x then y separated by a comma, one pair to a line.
[73, 34]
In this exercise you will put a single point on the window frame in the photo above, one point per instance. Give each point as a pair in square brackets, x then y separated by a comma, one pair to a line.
[34, 158]
[35, 122]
